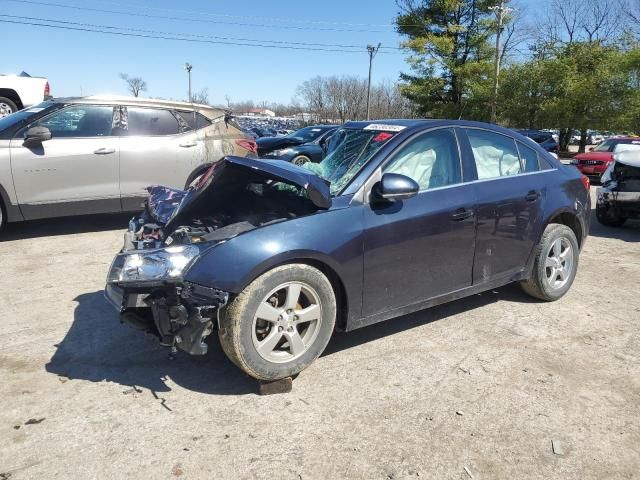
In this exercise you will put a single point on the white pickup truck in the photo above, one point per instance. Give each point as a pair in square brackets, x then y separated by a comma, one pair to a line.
[21, 91]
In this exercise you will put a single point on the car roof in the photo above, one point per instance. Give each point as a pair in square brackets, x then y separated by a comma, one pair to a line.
[390, 121]
[135, 101]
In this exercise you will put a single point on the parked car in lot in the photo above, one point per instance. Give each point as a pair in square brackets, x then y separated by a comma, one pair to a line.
[267, 145]
[406, 214]
[313, 151]
[594, 162]
[542, 138]
[98, 154]
[619, 197]
[21, 91]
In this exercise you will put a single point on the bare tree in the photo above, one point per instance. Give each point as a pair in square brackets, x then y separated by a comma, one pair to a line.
[134, 84]
[201, 97]
[313, 94]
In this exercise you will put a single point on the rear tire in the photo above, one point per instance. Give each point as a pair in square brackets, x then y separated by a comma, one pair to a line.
[609, 217]
[555, 265]
[280, 323]
[7, 107]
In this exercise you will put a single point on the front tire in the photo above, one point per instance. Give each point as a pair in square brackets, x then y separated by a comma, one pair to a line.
[7, 107]
[555, 265]
[300, 160]
[280, 323]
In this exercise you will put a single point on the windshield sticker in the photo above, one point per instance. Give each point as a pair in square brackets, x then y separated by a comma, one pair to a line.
[382, 137]
[386, 128]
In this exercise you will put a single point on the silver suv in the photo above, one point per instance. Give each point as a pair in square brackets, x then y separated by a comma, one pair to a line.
[88, 155]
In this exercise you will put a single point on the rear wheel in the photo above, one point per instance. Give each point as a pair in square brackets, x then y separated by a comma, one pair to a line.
[7, 107]
[609, 216]
[555, 265]
[280, 323]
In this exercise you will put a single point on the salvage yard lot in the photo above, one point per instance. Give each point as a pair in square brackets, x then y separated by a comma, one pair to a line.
[481, 386]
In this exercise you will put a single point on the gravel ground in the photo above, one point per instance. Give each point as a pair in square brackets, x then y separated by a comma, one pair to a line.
[493, 386]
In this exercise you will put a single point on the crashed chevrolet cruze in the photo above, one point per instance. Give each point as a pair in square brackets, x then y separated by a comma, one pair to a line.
[401, 215]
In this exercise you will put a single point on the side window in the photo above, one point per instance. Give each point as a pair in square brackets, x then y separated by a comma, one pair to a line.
[431, 159]
[191, 120]
[529, 158]
[496, 155]
[151, 121]
[78, 121]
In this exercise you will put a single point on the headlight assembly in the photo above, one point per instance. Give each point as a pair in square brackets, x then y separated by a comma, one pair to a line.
[144, 265]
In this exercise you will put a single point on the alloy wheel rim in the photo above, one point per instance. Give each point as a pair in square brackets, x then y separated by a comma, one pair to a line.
[5, 110]
[559, 262]
[300, 161]
[287, 322]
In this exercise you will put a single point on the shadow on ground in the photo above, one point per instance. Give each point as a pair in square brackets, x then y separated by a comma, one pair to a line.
[64, 226]
[629, 232]
[98, 348]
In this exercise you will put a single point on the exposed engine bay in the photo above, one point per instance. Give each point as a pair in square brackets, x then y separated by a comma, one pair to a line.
[259, 205]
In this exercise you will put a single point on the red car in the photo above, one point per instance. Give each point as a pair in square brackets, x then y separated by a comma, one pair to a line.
[594, 162]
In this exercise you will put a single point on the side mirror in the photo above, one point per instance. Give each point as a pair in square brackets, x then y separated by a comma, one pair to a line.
[394, 186]
[36, 135]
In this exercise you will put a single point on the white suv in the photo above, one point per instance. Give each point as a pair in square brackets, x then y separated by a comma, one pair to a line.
[98, 154]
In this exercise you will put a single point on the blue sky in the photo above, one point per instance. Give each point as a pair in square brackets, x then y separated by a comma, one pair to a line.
[78, 62]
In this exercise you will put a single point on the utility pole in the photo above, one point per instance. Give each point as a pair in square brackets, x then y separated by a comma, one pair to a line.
[372, 53]
[499, 10]
[188, 67]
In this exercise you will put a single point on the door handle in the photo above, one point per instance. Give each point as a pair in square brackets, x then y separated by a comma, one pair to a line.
[104, 151]
[461, 214]
[188, 145]
[532, 196]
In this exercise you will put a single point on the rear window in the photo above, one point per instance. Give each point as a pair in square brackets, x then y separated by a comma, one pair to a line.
[529, 158]
[191, 120]
[495, 155]
[152, 121]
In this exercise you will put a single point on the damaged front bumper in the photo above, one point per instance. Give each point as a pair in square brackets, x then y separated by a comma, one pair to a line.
[180, 314]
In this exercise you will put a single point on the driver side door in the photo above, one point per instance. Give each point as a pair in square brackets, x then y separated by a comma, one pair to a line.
[422, 247]
[75, 172]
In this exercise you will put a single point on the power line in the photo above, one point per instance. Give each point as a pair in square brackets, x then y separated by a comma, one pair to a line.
[174, 34]
[270, 19]
[197, 20]
[175, 38]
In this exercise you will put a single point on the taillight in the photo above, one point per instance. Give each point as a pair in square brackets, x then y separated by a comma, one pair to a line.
[586, 183]
[250, 145]
[47, 90]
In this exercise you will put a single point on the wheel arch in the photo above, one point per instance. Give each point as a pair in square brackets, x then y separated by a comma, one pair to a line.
[316, 261]
[569, 219]
[13, 96]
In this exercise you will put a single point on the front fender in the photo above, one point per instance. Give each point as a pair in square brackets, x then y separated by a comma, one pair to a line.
[333, 238]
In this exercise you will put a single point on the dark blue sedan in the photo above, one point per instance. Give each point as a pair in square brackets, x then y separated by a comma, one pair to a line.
[313, 151]
[401, 215]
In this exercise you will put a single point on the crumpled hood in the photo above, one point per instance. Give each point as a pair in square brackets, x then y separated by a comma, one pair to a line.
[229, 177]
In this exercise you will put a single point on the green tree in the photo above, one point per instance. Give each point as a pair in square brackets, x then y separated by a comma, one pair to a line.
[451, 62]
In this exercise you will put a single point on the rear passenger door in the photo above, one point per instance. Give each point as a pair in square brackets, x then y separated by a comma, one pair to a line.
[510, 193]
[157, 146]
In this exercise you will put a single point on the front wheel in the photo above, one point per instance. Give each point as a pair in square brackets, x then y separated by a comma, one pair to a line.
[280, 323]
[7, 107]
[555, 265]
[300, 160]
